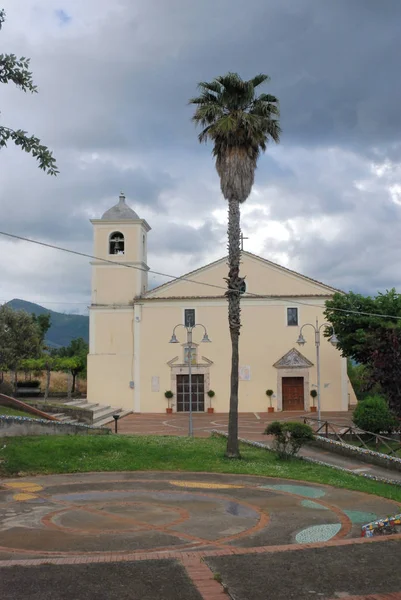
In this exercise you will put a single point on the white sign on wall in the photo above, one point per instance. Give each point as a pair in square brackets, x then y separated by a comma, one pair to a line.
[155, 383]
[245, 373]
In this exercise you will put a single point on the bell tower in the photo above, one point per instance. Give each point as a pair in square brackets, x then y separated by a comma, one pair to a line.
[120, 270]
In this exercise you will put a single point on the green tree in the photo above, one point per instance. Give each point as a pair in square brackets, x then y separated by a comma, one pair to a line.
[239, 124]
[49, 364]
[19, 338]
[369, 331]
[16, 70]
[78, 349]
[43, 323]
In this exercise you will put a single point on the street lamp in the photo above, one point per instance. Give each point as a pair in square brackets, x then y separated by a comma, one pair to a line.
[333, 341]
[174, 340]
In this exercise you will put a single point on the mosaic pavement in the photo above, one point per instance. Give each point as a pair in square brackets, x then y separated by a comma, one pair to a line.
[66, 515]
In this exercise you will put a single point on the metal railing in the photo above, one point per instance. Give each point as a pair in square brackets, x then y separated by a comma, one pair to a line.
[340, 432]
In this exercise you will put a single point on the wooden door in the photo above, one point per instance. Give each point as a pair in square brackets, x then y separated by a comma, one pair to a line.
[293, 393]
[198, 393]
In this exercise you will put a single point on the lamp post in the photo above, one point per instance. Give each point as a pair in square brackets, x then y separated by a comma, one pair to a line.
[333, 341]
[174, 340]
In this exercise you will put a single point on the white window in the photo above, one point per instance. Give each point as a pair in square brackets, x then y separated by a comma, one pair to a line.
[292, 317]
[116, 243]
[189, 317]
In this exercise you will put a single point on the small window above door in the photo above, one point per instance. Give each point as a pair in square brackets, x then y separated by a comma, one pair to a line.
[189, 317]
[292, 317]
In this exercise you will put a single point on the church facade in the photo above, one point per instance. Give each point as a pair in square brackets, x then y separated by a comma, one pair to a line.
[132, 362]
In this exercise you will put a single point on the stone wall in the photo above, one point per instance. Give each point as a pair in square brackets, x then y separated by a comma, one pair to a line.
[16, 426]
[362, 454]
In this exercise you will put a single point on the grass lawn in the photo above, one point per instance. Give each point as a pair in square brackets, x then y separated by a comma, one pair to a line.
[13, 412]
[78, 454]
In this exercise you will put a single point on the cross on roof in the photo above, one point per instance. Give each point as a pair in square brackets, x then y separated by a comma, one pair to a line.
[242, 238]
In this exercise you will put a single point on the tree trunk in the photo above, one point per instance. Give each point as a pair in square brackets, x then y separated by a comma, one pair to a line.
[234, 319]
[69, 384]
[48, 371]
[74, 377]
[15, 381]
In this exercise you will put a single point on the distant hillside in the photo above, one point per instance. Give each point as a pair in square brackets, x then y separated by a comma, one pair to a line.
[64, 328]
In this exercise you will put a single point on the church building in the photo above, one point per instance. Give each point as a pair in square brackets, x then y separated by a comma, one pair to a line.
[132, 362]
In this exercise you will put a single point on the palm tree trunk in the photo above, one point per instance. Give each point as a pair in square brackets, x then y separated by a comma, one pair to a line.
[234, 320]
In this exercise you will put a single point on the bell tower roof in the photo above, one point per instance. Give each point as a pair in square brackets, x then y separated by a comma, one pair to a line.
[120, 211]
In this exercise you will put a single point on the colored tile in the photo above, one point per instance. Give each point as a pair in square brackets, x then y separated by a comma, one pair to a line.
[23, 497]
[300, 490]
[359, 517]
[311, 504]
[318, 533]
[208, 486]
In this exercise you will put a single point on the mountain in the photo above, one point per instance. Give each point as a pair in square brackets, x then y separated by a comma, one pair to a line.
[63, 329]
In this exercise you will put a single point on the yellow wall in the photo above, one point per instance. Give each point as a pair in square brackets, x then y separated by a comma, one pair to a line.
[265, 338]
[129, 345]
[118, 284]
[262, 277]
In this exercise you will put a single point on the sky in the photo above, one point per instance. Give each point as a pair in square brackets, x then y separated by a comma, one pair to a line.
[114, 79]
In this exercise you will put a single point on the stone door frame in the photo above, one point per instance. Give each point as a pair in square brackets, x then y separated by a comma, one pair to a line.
[292, 372]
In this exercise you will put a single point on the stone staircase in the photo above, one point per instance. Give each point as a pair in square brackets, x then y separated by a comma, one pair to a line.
[101, 414]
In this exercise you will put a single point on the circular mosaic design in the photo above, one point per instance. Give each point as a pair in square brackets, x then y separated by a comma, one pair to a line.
[153, 512]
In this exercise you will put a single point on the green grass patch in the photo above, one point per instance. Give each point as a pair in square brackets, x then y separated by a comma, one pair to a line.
[78, 454]
[13, 412]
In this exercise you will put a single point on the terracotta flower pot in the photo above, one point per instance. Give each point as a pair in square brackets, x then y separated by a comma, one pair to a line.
[169, 411]
[270, 409]
[210, 410]
[313, 408]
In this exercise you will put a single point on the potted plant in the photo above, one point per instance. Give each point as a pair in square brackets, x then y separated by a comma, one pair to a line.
[313, 394]
[211, 395]
[169, 394]
[270, 393]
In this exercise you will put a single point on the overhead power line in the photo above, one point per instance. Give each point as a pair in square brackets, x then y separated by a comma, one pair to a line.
[174, 278]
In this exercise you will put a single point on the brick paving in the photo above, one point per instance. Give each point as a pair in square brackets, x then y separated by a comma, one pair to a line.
[250, 425]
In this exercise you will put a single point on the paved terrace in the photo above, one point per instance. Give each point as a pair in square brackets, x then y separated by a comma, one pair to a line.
[251, 425]
[164, 535]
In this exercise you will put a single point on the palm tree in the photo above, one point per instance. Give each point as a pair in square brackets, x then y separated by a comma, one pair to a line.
[239, 124]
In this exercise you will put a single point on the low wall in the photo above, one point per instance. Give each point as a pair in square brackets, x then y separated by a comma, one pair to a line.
[16, 426]
[18, 405]
[362, 454]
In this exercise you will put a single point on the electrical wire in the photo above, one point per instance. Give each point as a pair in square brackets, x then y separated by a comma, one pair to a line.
[184, 278]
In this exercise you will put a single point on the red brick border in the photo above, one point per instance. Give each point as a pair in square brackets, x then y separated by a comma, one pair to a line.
[194, 555]
[203, 579]
[393, 596]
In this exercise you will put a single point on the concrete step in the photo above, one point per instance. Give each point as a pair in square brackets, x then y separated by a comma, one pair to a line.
[101, 407]
[110, 421]
[105, 413]
[77, 402]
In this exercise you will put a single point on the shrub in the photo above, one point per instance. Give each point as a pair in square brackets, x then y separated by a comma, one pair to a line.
[374, 415]
[211, 394]
[169, 394]
[289, 437]
[29, 384]
[6, 388]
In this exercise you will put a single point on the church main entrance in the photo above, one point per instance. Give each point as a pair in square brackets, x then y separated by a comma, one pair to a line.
[198, 393]
[293, 393]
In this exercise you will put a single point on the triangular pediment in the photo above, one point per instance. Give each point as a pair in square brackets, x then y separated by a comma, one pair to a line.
[263, 277]
[293, 359]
